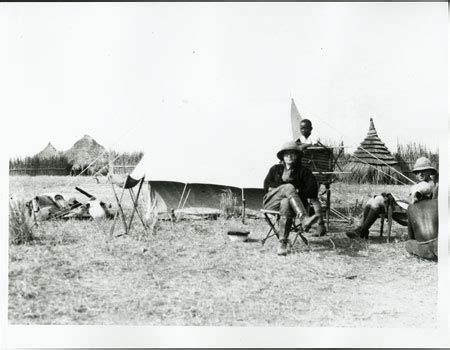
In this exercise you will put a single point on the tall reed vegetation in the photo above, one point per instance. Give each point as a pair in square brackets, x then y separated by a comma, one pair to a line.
[228, 203]
[20, 223]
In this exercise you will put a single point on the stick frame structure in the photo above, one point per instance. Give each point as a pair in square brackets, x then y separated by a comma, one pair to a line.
[120, 212]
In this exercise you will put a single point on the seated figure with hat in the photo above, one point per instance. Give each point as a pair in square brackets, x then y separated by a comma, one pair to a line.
[289, 185]
[426, 188]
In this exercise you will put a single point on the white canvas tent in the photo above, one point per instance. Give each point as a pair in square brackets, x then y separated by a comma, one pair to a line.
[209, 156]
[191, 168]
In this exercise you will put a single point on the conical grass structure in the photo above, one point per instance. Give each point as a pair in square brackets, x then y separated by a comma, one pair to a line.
[372, 162]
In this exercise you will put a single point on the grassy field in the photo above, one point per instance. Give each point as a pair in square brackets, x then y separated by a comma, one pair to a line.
[189, 273]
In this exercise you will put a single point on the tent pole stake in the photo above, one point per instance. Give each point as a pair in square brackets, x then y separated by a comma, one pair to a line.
[182, 195]
[243, 206]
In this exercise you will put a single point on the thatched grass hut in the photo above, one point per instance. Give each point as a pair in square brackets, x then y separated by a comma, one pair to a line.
[48, 152]
[372, 162]
[84, 152]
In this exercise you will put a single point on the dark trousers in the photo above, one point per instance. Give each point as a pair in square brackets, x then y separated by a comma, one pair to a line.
[278, 199]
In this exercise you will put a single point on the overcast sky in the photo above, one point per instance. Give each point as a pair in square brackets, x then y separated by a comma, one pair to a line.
[180, 77]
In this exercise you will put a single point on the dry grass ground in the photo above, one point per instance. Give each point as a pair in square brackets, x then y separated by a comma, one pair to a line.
[189, 273]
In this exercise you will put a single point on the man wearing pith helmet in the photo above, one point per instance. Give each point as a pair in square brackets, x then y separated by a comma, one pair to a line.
[289, 185]
[427, 176]
[426, 188]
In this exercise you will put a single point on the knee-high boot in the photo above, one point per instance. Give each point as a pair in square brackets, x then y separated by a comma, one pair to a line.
[370, 216]
[357, 231]
[284, 228]
[320, 224]
[299, 209]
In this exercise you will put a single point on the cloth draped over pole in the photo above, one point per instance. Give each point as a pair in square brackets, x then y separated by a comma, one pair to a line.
[296, 118]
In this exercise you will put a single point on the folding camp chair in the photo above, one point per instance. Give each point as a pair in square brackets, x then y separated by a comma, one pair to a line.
[120, 211]
[272, 217]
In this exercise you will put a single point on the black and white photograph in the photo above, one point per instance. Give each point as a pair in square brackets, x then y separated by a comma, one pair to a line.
[224, 174]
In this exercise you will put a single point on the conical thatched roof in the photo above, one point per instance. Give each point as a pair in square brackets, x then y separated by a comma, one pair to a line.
[376, 147]
[48, 152]
[372, 162]
[85, 151]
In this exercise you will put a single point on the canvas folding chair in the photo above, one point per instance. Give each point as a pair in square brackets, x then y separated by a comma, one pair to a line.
[272, 218]
[120, 212]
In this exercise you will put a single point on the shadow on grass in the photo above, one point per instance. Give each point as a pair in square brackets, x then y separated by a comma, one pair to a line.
[333, 244]
[383, 239]
[253, 240]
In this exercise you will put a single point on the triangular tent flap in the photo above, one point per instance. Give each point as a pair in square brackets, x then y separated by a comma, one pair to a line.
[295, 120]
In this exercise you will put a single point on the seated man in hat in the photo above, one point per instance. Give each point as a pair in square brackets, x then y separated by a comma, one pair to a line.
[289, 185]
[306, 140]
[426, 188]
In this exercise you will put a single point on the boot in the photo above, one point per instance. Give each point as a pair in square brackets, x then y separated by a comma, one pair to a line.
[366, 212]
[320, 231]
[284, 227]
[357, 232]
[299, 209]
[371, 215]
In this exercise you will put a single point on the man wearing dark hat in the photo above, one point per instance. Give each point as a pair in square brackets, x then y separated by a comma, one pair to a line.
[426, 188]
[289, 185]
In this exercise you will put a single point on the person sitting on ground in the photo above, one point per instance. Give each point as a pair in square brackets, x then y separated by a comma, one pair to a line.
[306, 140]
[289, 185]
[423, 229]
[427, 188]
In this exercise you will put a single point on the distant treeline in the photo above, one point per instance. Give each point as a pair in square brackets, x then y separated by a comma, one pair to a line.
[60, 165]
[124, 162]
[57, 165]
[409, 152]
[126, 158]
